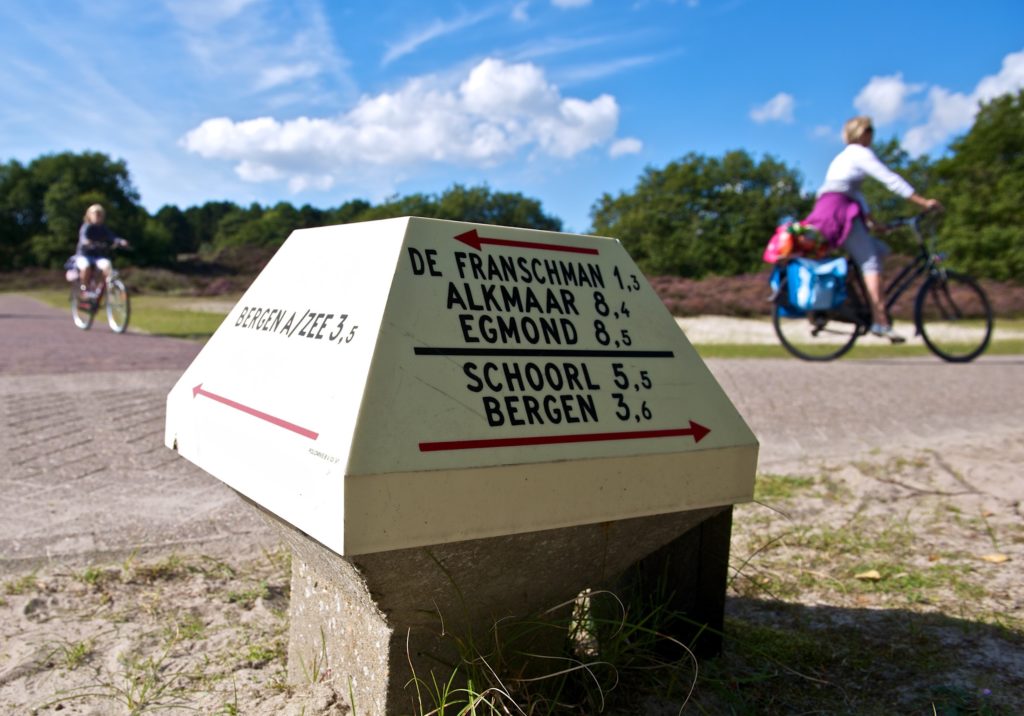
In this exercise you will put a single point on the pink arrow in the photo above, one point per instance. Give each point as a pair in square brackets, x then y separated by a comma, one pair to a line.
[198, 390]
[696, 431]
[472, 238]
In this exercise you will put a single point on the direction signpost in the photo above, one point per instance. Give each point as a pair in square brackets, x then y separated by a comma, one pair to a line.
[479, 394]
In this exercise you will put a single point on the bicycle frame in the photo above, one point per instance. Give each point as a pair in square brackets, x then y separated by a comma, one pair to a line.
[923, 263]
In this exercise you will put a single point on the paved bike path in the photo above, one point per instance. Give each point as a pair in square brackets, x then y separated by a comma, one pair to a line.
[83, 469]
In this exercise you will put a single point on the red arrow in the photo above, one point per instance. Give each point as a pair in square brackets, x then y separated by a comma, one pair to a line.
[198, 390]
[471, 238]
[696, 430]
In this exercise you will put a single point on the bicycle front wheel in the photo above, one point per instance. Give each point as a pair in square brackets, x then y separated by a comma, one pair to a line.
[953, 316]
[118, 306]
[83, 309]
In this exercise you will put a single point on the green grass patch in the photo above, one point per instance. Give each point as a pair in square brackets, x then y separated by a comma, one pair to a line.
[20, 585]
[171, 567]
[860, 351]
[894, 539]
[185, 627]
[779, 487]
[158, 315]
[246, 598]
[918, 585]
[69, 655]
[884, 664]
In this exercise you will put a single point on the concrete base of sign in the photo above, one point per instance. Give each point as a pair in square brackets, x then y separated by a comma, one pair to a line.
[366, 623]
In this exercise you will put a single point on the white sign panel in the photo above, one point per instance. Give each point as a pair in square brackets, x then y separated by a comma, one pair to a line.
[415, 381]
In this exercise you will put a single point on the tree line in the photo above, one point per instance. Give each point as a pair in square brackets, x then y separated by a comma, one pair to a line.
[713, 215]
[696, 216]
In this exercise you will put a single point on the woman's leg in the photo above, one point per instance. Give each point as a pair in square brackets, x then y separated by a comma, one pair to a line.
[84, 271]
[103, 265]
[873, 284]
[867, 252]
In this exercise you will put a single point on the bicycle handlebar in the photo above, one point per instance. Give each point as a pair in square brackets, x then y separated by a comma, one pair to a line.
[913, 222]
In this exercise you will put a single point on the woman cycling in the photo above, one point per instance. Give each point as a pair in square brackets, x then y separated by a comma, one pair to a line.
[95, 239]
[842, 215]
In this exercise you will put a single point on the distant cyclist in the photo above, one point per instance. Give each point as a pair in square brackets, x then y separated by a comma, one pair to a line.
[843, 217]
[95, 240]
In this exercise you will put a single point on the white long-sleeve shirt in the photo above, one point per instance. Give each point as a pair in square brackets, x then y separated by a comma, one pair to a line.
[851, 166]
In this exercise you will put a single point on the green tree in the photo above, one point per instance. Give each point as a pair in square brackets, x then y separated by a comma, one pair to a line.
[42, 205]
[480, 205]
[981, 185]
[172, 220]
[20, 217]
[259, 227]
[237, 227]
[702, 215]
[347, 213]
[204, 220]
[476, 204]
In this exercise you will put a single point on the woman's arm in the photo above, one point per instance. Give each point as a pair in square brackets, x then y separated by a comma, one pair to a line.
[871, 165]
[925, 203]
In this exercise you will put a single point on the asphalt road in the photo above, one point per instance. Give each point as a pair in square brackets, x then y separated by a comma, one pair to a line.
[84, 472]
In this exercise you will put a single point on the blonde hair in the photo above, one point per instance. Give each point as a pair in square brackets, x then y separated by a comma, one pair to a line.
[856, 128]
[94, 209]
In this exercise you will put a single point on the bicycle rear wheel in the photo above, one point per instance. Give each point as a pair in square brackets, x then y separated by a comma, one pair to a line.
[954, 316]
[816, 335]
[83, 309]
[118, 306]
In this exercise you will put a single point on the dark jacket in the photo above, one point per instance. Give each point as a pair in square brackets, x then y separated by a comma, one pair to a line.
[95, 240]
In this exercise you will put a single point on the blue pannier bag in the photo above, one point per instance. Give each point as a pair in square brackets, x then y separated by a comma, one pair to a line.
[812, 285]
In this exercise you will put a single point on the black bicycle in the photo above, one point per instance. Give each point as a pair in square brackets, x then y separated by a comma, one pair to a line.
[952, 314]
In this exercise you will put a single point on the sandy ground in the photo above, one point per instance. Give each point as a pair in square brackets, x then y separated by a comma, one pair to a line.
[191, 631]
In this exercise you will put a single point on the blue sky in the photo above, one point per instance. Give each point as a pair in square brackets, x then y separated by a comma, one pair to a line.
[321, 101]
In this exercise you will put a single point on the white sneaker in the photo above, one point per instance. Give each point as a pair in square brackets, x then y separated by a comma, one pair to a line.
[877, 329]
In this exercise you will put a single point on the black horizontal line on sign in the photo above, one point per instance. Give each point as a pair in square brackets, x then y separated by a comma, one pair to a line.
[539, 352]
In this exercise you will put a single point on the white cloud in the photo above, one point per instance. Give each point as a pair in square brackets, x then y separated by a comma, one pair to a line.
[887, 99]
[1009, 79]
[261, 46]
[198, 14]
[496, 111]
[622, 147]
[599, 70]
[778, 109]
[496, 88]
[570, 3]
[550, 46]
[436, 29]
[519, 11]
[824, 131]
[286, 74]
[951, 113]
